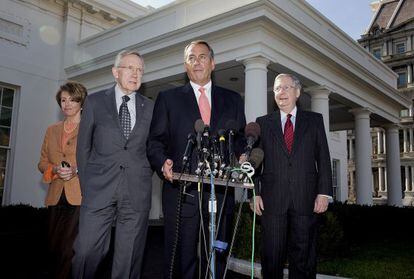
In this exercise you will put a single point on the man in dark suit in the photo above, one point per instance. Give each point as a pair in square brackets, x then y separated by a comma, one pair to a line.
[115, 175]
[296, 183]
[175, 113]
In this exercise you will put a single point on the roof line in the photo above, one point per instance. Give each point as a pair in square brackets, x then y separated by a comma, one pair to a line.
[394, 14]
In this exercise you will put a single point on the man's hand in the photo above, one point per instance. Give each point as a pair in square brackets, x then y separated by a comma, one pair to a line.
[257, 206]
[243, 158]
[321, 204]
[167, 170]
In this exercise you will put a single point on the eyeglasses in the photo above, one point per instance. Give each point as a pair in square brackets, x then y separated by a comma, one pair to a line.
[278, 89]
[132, 69]
[202, 58]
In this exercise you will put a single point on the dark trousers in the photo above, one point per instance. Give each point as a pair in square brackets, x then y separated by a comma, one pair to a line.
[62, 231]
[290, 237]
[187, 261]
[92, 243]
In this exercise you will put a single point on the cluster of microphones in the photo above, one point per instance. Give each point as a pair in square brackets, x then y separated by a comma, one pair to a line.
[216, 154]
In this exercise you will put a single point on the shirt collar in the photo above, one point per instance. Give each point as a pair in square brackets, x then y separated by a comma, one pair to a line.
[293, 113]
[119, 94]
[195, 87]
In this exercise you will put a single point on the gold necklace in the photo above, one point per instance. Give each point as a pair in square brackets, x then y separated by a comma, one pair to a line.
[70, 130]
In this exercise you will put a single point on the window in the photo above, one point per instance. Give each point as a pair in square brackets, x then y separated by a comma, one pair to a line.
[400, 47]
[6, 108]
[404, 113]
[335, 178]
[402, 79]
[377, 53]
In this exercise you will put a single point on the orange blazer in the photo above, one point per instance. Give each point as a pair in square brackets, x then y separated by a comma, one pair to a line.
[52, 154]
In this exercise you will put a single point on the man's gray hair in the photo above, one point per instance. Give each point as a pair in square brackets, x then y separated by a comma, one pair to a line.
[198, 42]
[296, 81]
[124, 53]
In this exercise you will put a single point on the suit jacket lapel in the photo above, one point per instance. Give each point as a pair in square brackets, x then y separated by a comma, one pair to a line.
[276, 128]
[110, 104]
[139, 111]
[301, 124]
[190, 102]
[216, 107]
[59, 132]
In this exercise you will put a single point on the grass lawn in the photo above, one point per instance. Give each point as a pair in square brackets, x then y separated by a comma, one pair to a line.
[387, 259]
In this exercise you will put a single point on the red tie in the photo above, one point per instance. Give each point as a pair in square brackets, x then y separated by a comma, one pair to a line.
[288, 133]
[204, 106]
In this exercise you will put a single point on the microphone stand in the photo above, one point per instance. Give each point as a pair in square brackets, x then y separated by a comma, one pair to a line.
[212, 208]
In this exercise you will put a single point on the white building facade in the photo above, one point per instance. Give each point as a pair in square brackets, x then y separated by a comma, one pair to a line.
[253, 42]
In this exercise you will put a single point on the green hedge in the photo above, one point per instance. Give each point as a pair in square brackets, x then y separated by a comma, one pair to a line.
[343, 226]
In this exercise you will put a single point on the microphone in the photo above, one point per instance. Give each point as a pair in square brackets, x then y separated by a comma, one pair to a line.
[188, 148]
[206, 140]
[231, 127]
[215, 155]
[199, 128]
[252, 133]
[256, 157]
[222, 143]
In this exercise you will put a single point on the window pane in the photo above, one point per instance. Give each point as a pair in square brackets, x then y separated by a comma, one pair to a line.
[7, 97]
[4, 136]
[402, 79]
[400, 48]
[377, 53]
[5, 116]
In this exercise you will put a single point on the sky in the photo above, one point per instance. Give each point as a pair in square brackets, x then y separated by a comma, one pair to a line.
[352, 16]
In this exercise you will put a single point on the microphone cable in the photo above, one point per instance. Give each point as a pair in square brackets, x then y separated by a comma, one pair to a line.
[202, 232]
[177, 224]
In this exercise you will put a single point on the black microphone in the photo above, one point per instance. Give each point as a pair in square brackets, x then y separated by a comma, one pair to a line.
[199, 128]
[231, 127]
[252, 133]
[206, 140]
[222, 143]
[188, 148]
[215, 155]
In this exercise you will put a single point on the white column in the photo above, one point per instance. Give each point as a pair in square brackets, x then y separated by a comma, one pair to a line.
[411, 138]
[385, 180]
[363, 153]
[379, 142]
[380, 179]
[320, 103]
[406, 178]
[255, 102]
[384, 143]
[409, 73]
[412, 179]
[405, 146]
[393, 166]
[384, 49]
[351, 149]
